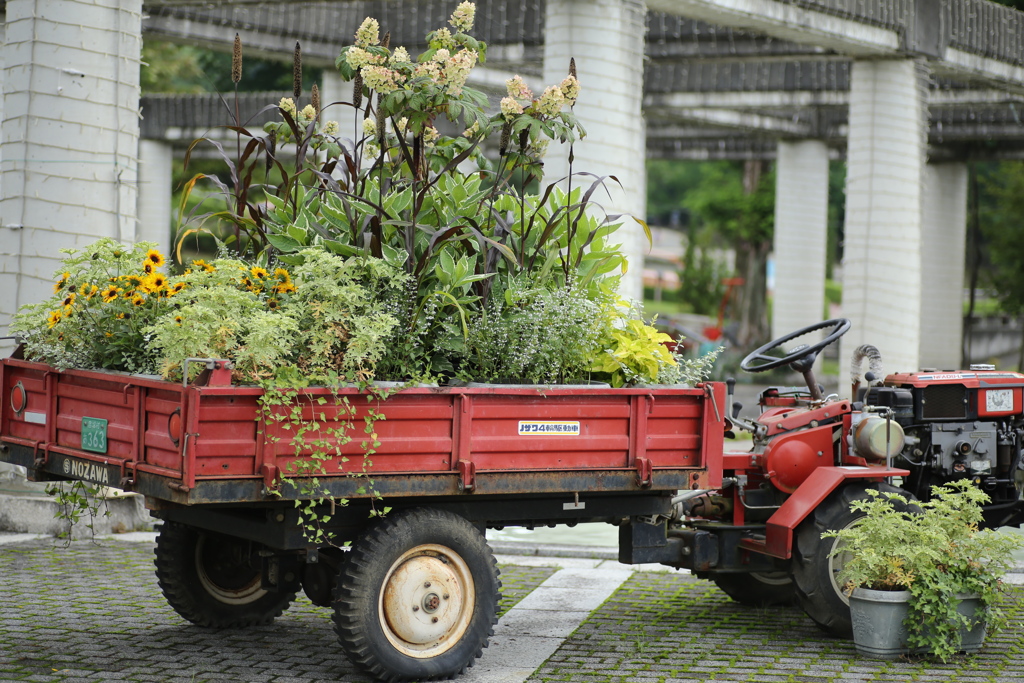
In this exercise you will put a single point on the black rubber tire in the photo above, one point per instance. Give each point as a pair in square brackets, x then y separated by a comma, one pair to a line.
[214, 580]
[814, 571]
[383, 607]
[758, 589]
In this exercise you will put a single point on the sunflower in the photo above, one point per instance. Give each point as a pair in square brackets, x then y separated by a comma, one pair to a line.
[133, 280]
[53, 318]
[148, 268]
[69, 300]
[155, 282]
[110, 293]
[138, 300]
[155, 258]
[200, 263]
[177, 287]
[89, 291]
[272, 304]
[257, 272]
[123, 316]
[282, 275]
[177, 319]
[285, 288]
[61, 282]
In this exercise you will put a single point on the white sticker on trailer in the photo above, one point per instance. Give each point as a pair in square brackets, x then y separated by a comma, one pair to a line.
[35, 418]
[548, 428]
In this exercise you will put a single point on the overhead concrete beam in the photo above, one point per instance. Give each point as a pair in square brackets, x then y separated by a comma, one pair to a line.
[788, 22]
[748, 100]
[745, 121]
[968, 66]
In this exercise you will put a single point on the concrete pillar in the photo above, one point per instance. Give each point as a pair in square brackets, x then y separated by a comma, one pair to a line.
[334, 89]
[606, 37]
[886, 151]
[155, 166]
[70, 132]
[801, 231]
[942, 265]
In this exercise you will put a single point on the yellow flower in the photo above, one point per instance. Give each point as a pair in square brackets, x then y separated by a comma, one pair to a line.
[258, 272]
[282, 275]
[110, 293]
[177, 287]
[148, 268]
[59, 285]
[177, 319]
[138, 300]
[155, 282]
[200, 263]
[123, 316]
[284, 288]
[69, 300]
[53, 318]
[108, 334]
[272, 304]
[89, 291]
[154, 257]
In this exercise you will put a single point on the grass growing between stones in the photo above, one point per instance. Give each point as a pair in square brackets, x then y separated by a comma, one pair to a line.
[669, 627]
[94, 612]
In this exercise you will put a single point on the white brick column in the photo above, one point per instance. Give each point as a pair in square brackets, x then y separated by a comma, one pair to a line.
[801, 231]
[884, 179]
[70, 132]
[942, 265]
[155, 165]
[606, 38]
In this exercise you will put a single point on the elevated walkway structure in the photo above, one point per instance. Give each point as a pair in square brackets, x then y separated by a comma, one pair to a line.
[907, 91]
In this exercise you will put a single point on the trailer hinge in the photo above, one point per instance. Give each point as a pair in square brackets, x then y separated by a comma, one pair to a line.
[467, 476]
[644, 472]
[270, 481]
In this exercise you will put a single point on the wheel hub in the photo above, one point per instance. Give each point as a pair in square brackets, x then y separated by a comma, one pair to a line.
[427, 601]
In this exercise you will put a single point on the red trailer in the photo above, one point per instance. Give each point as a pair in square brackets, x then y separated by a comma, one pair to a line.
[415, 591]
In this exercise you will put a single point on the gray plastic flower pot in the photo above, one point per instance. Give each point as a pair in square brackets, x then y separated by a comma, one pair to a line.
[878, 630]
[877, 617]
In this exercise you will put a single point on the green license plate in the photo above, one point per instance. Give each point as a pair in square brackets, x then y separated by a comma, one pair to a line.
[94, 435]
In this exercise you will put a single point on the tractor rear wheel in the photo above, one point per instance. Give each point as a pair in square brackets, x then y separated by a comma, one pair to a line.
[758, 589]
[815, 568]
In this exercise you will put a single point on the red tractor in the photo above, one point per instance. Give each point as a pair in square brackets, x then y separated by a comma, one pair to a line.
[759, 536]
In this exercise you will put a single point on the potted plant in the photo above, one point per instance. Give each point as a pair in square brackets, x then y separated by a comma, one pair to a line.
[923, 578]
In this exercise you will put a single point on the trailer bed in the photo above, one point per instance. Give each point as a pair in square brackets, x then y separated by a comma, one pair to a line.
[212, 443]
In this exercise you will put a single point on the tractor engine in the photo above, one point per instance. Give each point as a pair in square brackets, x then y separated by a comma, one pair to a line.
[953, 425]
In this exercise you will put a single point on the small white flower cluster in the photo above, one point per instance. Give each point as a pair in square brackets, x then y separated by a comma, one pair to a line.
[368, 33]
[550, 103]
[463, 16]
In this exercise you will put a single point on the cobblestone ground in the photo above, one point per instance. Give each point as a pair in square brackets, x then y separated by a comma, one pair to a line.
[666, 627]
[95, 613]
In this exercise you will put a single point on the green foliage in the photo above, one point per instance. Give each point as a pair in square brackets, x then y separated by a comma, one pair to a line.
[538, 336]
[327, 314]
[634, 353]
[936, 553]
[78, 500]
[105, 296]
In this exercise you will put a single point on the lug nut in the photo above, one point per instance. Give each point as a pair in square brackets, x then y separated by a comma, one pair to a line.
[434, 620]
[426, 584]
[445, 596]
[415, 608]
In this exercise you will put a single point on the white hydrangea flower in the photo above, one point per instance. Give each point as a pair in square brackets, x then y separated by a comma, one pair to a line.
[463, 16]
[368, 33]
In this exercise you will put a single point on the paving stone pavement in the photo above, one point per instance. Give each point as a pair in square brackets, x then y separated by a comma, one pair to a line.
[91, 612]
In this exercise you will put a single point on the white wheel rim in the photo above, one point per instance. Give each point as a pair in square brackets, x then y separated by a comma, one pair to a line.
[772, 578]
[243, 595]
[427, 601]
[836, 562]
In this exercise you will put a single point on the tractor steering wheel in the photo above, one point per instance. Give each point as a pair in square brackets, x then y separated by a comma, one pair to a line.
[839, 327]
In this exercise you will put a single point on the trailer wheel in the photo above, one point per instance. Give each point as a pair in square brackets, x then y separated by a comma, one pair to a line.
[758, 589]
[417, 597]
[214, 580]
[815, 570]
